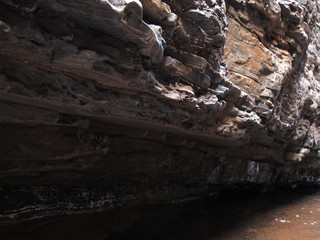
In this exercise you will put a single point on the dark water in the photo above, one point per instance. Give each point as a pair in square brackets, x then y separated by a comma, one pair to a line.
[284, 214]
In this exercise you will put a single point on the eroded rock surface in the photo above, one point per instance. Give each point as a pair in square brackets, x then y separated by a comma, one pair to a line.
[115, 102]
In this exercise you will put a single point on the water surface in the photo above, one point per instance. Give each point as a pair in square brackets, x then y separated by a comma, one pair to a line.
[284, 214]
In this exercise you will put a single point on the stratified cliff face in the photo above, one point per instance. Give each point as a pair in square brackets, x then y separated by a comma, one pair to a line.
[114, 102]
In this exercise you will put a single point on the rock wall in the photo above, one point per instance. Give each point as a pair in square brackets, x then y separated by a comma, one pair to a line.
[117, 102]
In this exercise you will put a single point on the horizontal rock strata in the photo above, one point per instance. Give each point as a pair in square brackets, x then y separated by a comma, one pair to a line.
[113, 102]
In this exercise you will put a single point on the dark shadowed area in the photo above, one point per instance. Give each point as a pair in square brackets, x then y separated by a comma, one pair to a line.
[253, 214]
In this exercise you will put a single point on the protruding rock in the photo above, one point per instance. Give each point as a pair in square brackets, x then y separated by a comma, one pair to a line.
[4, 27]
[178, 69]
[159, 12]
[28, 6]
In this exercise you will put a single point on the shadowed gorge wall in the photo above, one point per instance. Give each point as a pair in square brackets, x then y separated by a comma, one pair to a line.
[116, 102]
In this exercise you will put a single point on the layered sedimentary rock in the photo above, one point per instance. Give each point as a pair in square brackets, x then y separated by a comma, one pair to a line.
[116, 102]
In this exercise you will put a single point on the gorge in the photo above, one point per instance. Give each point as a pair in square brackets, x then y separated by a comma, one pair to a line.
[112, 103]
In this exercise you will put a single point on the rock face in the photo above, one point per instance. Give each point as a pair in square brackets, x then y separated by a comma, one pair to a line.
[113, 102]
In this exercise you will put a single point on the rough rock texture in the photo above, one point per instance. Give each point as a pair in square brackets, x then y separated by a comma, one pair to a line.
[113, 102]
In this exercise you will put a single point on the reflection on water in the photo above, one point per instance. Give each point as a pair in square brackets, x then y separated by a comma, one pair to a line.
[247, 215]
